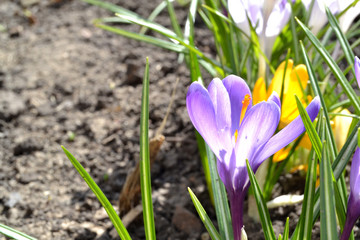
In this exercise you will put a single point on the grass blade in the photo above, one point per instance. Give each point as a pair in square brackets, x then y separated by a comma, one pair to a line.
[339, 164]
[204, 217]
[328, 228]
[261, 204]
[333, 66]
[310, 129]
[154, 14]
[309, 199]
[145, 174]
[220, 198]
[286, 229]
[342, 39]
[14, 234]
[120, 228]
[143, 38]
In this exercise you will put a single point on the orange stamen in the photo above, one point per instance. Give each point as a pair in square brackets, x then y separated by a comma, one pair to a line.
[245, 104]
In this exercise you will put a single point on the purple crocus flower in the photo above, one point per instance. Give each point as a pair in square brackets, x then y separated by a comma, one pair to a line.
[353, 210]
[268, 18]
[235, 131]
[318, 16]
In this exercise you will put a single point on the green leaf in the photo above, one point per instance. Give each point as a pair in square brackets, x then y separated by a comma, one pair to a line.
[204, 217]
[174, 22]
[155, 13]
[342, 39]
[120, 228]
[143, 38]
[333, 66]
[328, 227]
[145, 174]
[310, 129]
[220, 198]
[316, 88]
[14, 234]
[286, 229]
[261, 204]
[309, 199]
[111, 7]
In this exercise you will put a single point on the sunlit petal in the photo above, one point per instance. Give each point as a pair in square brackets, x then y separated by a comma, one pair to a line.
[237, 89]
[202, 115]
[288, 134]
[256, 129]
[259, 91]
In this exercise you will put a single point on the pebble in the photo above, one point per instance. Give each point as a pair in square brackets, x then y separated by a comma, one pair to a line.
[11, 105]
[186, 221]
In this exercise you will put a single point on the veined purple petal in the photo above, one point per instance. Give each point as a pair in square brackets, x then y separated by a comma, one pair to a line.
[256, 129]
[278, 18]
[255, 14]
[242, 10]
[275, 98]
[355, 174]
[287, 134]
[202, 114]
[221, 102]
[225, 168]
[237, 89]
[357, 70]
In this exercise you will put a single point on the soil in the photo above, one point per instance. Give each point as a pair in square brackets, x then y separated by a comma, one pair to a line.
[65, 82]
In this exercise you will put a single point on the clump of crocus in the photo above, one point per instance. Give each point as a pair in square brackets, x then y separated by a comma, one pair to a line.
[353, 209]
[235, 130]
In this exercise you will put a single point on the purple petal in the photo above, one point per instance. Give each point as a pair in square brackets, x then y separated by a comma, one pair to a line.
[288, 134]
[357, 70]
[237, 89]
[255, 130]
[225, 170]
[278, 18]
[355, 173]
[221, 102]
[202, 114]
[275, 98]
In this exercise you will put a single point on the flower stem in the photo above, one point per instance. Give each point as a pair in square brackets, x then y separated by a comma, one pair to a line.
[236, 207]
[349, 224]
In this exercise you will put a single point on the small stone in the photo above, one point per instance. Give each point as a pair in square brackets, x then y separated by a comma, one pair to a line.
[186, 221]
[11, 105]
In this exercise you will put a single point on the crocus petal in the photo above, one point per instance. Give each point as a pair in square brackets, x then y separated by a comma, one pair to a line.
[202, 115]
[277, 81]
[225, 170]
[348, 17]
[341, 128]
[237, 89]
[278, 18]
[244, 10]
[355, 173]
[259, 91]
[318, 16]
[288, 134]
[357, 70]
[221, 102]
[256, 129]
[275, 98]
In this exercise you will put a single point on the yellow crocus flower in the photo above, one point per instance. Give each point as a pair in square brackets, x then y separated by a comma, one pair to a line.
[294, 83]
